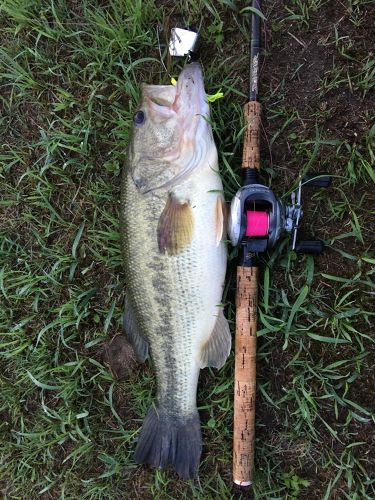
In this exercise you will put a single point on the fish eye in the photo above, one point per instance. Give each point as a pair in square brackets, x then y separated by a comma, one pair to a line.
[139, 117]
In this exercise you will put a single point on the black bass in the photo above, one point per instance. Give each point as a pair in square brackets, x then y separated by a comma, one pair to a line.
[175, 261]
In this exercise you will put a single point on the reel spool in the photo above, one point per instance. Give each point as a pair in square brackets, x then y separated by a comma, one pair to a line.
[258, 218]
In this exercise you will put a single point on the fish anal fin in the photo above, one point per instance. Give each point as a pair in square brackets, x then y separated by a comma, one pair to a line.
[131, 331]
[175, 227]
[217, 348]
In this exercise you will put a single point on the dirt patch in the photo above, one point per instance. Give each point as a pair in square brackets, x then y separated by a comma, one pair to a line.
[119, 357]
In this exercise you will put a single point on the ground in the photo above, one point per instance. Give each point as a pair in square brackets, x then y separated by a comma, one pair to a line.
[69, 83]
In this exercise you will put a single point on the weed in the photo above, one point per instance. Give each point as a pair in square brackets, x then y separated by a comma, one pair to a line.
[294, 484]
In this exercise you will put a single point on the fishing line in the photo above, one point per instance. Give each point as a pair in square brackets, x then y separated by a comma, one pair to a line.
[257, 223]
[158, 30]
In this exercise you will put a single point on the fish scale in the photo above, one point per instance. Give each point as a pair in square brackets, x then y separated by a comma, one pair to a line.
[171, 327]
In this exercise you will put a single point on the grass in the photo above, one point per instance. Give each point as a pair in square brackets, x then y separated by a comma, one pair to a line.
[69, 79]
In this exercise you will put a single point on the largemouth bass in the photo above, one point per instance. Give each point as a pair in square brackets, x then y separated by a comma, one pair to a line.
[175, 262]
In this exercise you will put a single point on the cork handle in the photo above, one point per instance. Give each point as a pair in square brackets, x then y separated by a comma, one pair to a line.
[245, 375]
[251, 155]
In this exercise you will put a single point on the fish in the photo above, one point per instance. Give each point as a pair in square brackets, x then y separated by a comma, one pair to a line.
[174, 250]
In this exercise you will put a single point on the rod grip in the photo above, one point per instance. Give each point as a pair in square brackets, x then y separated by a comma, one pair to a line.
[245, 375]
[251, 144]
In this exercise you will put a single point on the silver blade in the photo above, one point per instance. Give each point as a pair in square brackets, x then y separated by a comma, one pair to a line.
[182, 42]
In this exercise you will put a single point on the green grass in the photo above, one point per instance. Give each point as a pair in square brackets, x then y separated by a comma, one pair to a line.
[69, 79]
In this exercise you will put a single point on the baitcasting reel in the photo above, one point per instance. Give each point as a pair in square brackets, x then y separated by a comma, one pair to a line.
[257, 218]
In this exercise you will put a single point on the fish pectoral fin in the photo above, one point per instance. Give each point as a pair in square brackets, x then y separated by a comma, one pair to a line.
[131, 331]
[217, 348]
[221, 219]
[175, 227]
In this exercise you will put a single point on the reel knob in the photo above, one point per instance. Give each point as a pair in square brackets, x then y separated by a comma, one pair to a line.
[312, 247]
[319, 180]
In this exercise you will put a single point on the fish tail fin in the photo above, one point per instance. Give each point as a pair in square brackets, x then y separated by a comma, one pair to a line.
[168, 440]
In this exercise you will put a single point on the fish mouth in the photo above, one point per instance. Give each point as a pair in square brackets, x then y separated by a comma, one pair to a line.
[191, 101]
[186, 100]
[162, 95]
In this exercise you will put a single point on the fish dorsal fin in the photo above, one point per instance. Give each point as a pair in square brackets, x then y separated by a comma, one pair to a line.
[217, 348]
[175, 227]
[132, 334]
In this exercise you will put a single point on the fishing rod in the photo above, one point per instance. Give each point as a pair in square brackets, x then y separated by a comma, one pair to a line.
[257, 220]
[247, 280]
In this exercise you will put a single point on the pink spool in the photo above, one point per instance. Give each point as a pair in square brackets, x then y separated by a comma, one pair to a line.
[257, 223]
